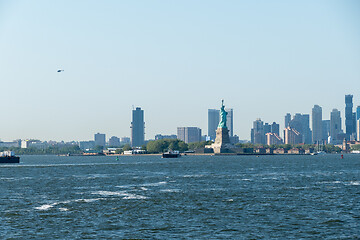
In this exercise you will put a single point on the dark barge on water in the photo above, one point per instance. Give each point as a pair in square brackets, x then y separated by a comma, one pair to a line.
[9, 157]
[171, 154]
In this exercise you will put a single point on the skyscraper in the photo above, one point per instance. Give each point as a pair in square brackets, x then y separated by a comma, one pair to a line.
[358, 123]
[189, 134]
[258, 135]
[301, 122]
[358, 129]
[353, 135]
[99, 139]
[325, 129]
[137, 128]
[267, 128]
[275, 128]
[316, 124]
[230, 121]
[213, 122]
[349, 121]
[335, 125]
[287, 119]
[306, 129]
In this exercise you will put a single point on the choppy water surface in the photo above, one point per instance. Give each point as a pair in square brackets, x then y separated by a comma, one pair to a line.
[196, 197]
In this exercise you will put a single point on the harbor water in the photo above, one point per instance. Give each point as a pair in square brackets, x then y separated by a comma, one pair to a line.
[192, 197]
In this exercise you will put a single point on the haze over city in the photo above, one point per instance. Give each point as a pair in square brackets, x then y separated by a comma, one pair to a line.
[175, 60]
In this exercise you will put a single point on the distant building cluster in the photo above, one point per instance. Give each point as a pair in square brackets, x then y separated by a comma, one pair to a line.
[33, 143]
[297, 127]
[265, 133]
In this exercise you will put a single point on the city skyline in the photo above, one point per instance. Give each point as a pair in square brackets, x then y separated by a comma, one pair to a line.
[269, 58]
[138, 115]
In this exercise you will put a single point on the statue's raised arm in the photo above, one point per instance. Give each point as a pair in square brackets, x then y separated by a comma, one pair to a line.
[223, 114]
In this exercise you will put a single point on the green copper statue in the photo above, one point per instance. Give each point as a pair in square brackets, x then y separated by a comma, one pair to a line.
[223, 114]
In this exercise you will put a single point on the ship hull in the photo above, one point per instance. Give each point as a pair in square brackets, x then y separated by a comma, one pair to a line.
[9, 159]
[171, 155]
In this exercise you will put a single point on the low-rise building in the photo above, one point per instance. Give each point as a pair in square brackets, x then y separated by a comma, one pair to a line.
[160, 136]
[280, 151]
[16, 143]
[134, 151]
[34, 144]
[296, 151]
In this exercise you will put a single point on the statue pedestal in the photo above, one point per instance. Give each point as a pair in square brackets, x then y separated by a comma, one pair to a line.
[222, 141]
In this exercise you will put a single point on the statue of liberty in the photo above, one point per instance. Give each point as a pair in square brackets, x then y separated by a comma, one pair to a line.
[223, 114]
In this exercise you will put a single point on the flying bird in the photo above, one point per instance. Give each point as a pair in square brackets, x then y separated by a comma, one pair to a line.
[60, 70]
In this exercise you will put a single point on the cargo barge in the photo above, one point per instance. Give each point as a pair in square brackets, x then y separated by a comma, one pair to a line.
[171, 154]
[9, 157]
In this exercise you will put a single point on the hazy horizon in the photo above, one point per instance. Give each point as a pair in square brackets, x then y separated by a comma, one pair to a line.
[175, 60]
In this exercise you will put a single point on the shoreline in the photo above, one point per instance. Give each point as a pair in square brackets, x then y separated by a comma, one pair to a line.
[187, 154]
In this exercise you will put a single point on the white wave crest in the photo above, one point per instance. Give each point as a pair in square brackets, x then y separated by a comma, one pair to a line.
[134, 196]
[170, 190]
[123, 194]
[46, 206]
[193, 176]
[88, 200]
[109, 193]
[154, 184]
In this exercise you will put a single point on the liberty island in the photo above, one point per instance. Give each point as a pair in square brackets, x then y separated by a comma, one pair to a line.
[222, 141]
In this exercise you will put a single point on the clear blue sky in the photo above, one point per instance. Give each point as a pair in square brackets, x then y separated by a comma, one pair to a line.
[175, 59]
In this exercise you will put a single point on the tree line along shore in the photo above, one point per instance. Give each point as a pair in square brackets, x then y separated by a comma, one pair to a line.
[163, 145]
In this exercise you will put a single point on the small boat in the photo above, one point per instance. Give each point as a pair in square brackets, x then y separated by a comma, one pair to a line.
[171, 154]
[9, 157]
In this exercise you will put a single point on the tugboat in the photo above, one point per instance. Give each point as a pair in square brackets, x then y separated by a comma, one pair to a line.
[171, 154]
[9, 157]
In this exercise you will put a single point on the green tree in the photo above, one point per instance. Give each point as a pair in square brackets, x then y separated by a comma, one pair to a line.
[98, 148]
[245, 145]
[163, 145]
[127, 147]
